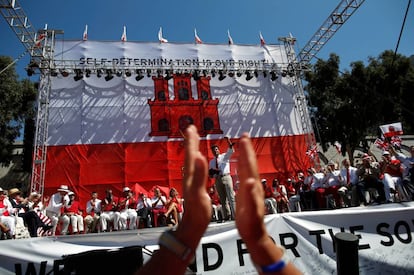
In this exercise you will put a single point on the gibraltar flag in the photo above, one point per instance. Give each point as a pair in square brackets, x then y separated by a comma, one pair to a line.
[124, 36]
[85, 33]
[160, 38]
[393, 129]
[197, 39]
[262, 41]
[122, 132]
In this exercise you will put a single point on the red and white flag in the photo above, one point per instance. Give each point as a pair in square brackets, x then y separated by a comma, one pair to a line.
[381, 144]
[160, 38]
[396, 141]
[85, 33]
[39, 39]
[393, 129]
[312, 152]
[338, 147]
[230, 39]
[262, 41]
[124, 36]
[197, 39]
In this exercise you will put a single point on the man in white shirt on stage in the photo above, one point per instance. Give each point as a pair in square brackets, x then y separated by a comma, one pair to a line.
[219, 168]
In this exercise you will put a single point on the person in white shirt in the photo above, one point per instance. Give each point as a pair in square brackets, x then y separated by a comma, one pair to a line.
[56, 202]
[349, 180]
[158, 204]
[93, 213]
[144, 209]
[219, 168]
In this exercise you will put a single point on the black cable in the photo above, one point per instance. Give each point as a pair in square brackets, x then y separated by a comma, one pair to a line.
[401, 31]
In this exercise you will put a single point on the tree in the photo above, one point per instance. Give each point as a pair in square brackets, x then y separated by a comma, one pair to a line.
[16, 104]
[350, 105]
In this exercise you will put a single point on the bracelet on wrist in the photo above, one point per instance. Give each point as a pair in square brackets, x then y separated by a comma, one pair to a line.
[168, 240]
[277, 266]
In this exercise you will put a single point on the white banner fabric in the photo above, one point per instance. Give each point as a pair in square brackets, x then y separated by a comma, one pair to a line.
[385, 235]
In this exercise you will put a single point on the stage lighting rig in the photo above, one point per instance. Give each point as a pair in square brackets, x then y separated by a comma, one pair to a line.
[78, 75]
[222, 75]
[248, 75]
[109, 75]
[139, 75]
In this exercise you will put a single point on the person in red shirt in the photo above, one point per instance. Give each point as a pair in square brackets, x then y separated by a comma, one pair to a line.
[126, 207]
[215, 204]
[72, 214]
[269, 198]
[110, 212]
[174, 207]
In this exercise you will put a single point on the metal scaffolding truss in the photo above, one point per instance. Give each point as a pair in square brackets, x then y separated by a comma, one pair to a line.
[335, 20]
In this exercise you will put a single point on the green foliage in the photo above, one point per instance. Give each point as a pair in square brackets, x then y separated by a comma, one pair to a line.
[16, 105]
[352, 104]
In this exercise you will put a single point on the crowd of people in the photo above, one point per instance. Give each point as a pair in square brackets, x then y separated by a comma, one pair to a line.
[335, 185]
[62, 213]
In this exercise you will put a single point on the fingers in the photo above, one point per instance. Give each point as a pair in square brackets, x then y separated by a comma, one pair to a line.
[247, 159]
[195, 164]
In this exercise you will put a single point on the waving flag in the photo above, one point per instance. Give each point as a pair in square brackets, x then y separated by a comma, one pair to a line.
[338, 147]
[262, 41]
[230, 39]
[393, 129]
[124, 36]
[312, 152]
[396, 141]
[85, 33]
[160, 38]
[197, 39]
[381, 144]
[40, 38]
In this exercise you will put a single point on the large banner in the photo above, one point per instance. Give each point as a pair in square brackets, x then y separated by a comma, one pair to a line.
[385, 235]
[120, 125]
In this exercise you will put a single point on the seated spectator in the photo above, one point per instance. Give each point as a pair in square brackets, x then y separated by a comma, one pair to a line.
[144, 209]
[391, 176]
[349, 182]
[6, 216]
[368, 174]
[174, 207]
[407, 165]
[93, 212]
[269, 198]
[55, 205]
[215, 204]
[293, 196]
[318, 187]
[333, 183]
[110, 213]
[127, 208]
[40, 224]
[72, 214]
[158, 203]
[307, 195]
[280, 193]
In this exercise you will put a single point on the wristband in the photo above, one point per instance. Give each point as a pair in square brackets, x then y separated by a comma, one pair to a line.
[276, 266]
[168, 240]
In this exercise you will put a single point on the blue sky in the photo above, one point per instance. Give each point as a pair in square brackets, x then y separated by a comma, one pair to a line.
[373, 28]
